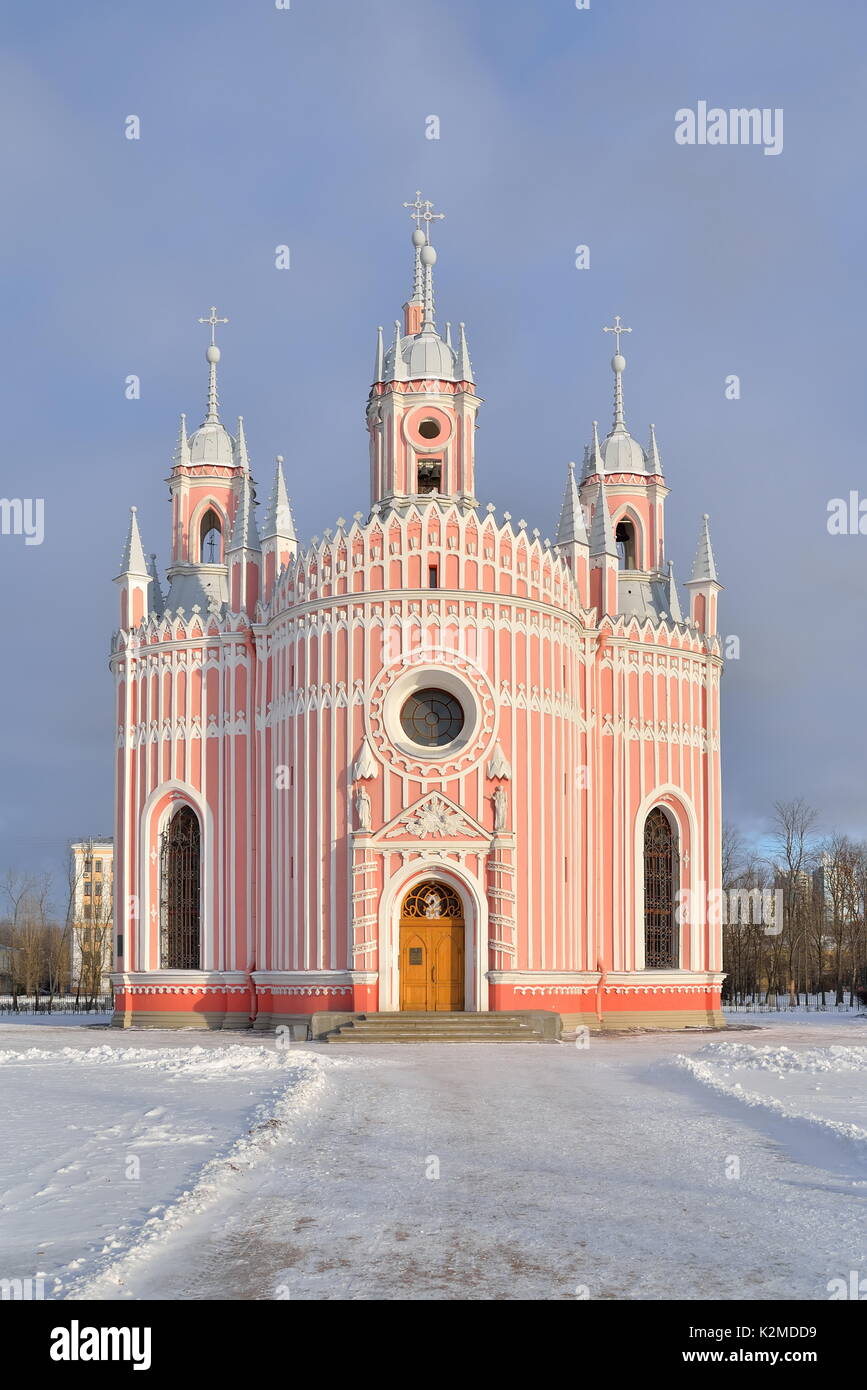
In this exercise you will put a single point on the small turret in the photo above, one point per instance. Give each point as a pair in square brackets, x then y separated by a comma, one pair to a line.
[463, 365]
[244, 554]
[703, 584]
[654, 462]
[134, 577]
[279, 539]
[604, 564]
[156, 600]
[674, 609]
[572, 541]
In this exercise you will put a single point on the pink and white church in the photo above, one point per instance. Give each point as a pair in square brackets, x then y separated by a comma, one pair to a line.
[428, 761]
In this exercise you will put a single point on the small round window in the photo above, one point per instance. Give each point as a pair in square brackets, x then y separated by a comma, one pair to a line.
[432, 718]
[430, 429]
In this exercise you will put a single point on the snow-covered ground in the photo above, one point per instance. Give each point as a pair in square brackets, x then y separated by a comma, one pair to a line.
[103, 1138]
[176, 1165]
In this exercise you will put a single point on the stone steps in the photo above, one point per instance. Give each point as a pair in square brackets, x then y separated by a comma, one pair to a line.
[441, 1028]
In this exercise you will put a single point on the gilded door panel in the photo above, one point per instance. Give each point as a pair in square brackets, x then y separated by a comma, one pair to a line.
[448, 968]
[431, 952]
[415, 968]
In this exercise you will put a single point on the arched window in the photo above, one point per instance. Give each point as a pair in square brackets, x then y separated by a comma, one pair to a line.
[661, 882]
[211, 539]
[180, 892]
[624, 536]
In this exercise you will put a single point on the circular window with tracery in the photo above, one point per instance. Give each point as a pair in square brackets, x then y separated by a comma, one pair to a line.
[432, 718]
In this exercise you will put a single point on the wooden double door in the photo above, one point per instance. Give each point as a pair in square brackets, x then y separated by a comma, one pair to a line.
[432, 949]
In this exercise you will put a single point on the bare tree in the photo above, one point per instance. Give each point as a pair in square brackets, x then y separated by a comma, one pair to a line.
[15, 888]
[793, 840]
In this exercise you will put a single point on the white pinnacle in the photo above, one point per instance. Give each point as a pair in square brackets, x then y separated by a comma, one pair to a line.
[133, 558]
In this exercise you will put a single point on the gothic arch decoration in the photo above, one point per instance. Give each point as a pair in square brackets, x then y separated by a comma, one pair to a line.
[629, 539]
[661, 882]
[211, 538]
[180, 892]
[431, 900]
[446, 876]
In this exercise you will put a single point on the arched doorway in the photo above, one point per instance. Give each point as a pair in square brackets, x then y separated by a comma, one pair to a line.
[661, 880]
[180, 892]
[432, 949]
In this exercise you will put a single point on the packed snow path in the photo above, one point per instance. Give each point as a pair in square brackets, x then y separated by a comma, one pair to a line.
[562, 1173]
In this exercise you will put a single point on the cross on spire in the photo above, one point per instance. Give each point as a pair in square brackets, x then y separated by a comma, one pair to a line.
[617, 329]
[212, 355]
[213, 321]
[421, 212]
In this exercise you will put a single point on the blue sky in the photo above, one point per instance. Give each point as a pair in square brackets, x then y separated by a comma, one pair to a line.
[307, 127]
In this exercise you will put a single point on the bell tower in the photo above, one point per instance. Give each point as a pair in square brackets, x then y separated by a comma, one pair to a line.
[422, 408]
[213, 502]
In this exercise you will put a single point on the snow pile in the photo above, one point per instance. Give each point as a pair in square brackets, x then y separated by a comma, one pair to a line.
[818, 1093]
[782, 1060]
[198, 1063]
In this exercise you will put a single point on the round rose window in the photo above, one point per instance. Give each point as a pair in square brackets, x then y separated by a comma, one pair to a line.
[432, 718]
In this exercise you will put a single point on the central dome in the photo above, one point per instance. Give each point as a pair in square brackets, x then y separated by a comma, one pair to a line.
[425, 354]
[212, 443]
[623, 454]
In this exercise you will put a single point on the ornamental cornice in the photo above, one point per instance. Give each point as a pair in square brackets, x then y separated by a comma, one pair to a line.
[184, 989]
[630, 990]
[308, 991]
[577, 620]
[303, 981]
[202, 472]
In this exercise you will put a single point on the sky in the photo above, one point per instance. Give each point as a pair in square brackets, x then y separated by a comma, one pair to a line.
[308, 127]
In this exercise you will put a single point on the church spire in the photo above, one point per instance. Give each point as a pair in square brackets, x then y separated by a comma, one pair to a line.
[618, 366]
[421, 435]
[424, 258]
[212, 356]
